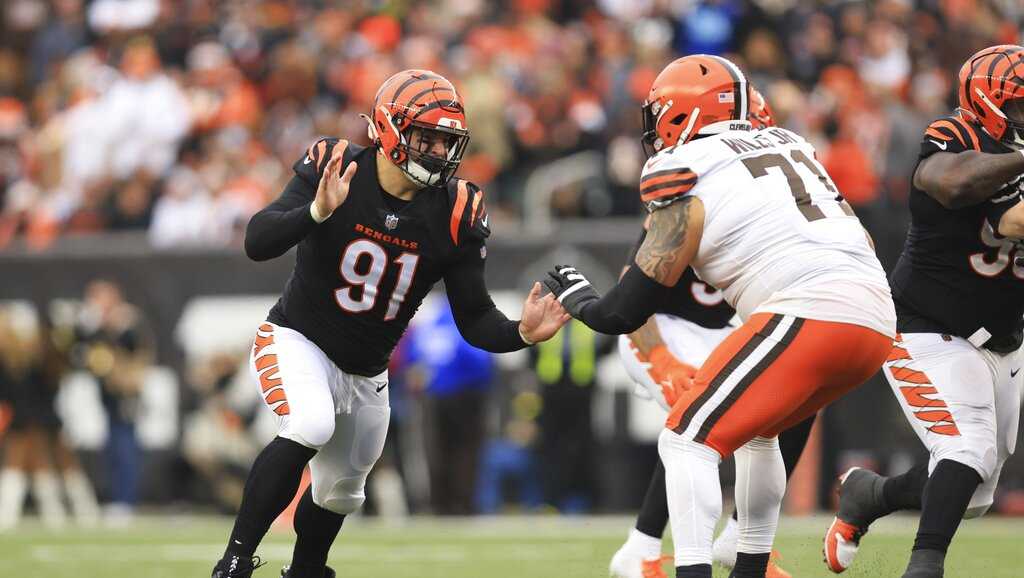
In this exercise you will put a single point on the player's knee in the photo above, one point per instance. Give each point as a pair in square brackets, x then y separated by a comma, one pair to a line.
[672, 445]
[311, 432]
[342, 496]
[982, 460]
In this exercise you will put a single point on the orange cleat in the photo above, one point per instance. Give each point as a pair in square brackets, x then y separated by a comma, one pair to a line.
[773, 569]
[653, 569]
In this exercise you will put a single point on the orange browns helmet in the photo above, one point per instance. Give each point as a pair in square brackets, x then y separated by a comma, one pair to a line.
[989, 79]
[760, 115]
[694, 95]
[420, 100]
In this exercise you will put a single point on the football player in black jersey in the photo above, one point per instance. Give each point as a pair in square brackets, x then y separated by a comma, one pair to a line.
[376, 228]
[690, 324]
[959, 294]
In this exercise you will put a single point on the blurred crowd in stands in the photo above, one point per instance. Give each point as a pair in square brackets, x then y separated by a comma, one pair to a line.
[183, 117]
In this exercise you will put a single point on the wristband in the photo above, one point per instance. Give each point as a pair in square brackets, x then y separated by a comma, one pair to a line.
[315, 213]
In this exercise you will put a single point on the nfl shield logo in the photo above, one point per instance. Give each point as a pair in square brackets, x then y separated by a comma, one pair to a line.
[390, 222]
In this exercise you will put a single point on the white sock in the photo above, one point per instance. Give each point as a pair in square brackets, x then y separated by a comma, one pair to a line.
[13, 485]
[760, 487]
[647, 547]
[725, 544]
[82, 498]
[46, 491]
[694, 496]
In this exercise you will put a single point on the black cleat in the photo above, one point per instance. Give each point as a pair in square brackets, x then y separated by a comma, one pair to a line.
[860, 494]
[925, 564]
[860, 497]
[328, 572]
[236, 567]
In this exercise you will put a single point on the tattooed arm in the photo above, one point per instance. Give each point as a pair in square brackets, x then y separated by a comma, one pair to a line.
[673, 237]
[672, 241]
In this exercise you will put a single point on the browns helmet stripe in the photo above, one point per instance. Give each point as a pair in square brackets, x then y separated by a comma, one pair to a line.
[739, 86]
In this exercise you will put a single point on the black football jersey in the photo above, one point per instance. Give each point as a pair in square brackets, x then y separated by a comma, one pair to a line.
[956, 275]
[696, 301]
[361, 274]
[693, 299]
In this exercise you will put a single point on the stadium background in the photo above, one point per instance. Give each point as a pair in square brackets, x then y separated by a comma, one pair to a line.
[138, 136]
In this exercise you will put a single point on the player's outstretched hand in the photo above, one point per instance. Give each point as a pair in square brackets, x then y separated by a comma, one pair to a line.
[333, 189]
[542, 316]
[571, 288]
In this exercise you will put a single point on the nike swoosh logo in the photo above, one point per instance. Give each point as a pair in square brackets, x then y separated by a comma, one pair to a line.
[941, 145]
[381, 388]
[1013, 373]
[485, 219]
[307, 160]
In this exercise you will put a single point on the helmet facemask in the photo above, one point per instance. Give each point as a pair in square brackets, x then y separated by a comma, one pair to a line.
[1013, 110]
[432, 152]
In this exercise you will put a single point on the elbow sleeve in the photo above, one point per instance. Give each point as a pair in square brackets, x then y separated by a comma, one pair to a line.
[627, 306]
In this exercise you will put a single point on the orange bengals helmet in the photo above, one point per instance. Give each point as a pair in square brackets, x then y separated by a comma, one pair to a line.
[988, 80]
[760, 115]
[424, 101]
[694, 95]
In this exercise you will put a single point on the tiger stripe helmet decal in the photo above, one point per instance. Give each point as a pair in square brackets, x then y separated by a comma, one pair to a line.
[989, 79]
[425, 100]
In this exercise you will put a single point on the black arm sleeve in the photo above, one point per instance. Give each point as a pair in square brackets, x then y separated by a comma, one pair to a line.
[281, 224]
[627, 306]
[478, 320]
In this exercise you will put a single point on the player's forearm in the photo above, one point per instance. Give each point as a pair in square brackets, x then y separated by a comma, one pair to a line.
[627, 306]
[647, 337]
[271, 233]
[968, 178]
[490, 330]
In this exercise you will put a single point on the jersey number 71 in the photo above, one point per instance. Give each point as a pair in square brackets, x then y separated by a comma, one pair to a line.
[759, 165]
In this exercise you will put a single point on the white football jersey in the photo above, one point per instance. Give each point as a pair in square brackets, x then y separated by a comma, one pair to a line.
[778, 236]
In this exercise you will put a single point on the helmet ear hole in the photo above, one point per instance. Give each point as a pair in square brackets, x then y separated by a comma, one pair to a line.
[678, 120]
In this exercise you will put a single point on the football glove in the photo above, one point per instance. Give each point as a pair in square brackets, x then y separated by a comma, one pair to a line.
[571, 289]
[674, 376]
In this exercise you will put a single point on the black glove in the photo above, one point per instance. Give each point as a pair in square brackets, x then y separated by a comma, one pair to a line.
[571, 289]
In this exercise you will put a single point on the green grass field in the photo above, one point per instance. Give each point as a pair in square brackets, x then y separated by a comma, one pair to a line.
[507, 547]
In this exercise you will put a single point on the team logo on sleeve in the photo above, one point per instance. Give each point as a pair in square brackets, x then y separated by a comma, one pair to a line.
[390, 222]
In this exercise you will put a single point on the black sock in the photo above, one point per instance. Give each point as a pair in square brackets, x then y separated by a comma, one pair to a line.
[750, 565]
[946, 496]
[654, 510]
[792, 443]
[903, 492]
[270, 487]
[694, 571]
[316, 529]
